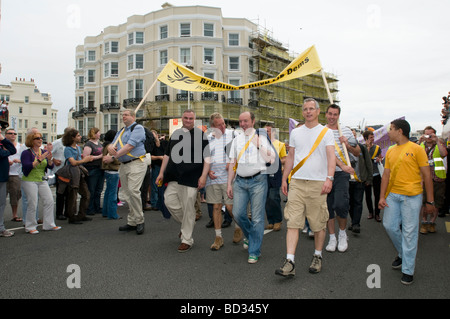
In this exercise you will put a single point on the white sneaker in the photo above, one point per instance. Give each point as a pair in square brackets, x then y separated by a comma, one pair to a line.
[331, 247]
[245, 245]
[343, 244]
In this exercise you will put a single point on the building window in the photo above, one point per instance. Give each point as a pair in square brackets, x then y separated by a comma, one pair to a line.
[233, 39]
[163, 32]
[81, 82]
[44, 125]
[163, 57]
[135, 89]
[80, 63]
[163, 88]
[235, 94]
[44, 111]
[185, 29]
[27, 99]
[80, 103]
[136, 62]
[185, 55]
[111, 47]
[20, 109]
[135, 38]
[91, 122]
[208, 30]
[114, 122]
[234, 63]
[209, 56]
[91, 56]
[91, 76]
[111, 69]
[91, 99]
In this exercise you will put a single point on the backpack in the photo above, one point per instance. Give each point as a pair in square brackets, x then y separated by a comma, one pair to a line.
[149, 142]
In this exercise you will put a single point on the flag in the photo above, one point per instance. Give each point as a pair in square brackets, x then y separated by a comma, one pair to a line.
[179, 77]
[292, 124]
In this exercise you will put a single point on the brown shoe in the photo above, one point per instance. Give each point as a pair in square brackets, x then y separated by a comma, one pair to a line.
[184, 248]
[431, 227]
[277, 227]
[218, 243]
[270, 226]
[237, 237]
[423, 228]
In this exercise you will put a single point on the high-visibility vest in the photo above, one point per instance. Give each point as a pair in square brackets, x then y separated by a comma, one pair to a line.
[439, 168]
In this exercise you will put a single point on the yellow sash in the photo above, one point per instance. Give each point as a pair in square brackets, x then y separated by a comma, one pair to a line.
[242, 152]
[338, 149]
[129, 154]
[316, 144]
[376, 151]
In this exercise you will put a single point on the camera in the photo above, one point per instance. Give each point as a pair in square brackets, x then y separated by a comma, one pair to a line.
[427, 136]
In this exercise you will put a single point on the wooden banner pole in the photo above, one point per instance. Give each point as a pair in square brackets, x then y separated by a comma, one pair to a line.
[330, 97]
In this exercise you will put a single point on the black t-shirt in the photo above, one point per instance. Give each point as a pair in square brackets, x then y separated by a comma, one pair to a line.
[159, 151]
[187, 151]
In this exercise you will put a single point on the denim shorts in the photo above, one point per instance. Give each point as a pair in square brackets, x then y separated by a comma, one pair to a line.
[338, 200]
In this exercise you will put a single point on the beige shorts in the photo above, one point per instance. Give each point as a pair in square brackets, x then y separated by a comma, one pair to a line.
[217, 194]
[305, 201]
[13, 189]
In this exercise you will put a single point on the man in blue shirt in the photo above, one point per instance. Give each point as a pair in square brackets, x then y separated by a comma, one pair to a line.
[130, 151]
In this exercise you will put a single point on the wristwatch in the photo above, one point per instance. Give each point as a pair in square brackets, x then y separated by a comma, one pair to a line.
[331, 178]
[430, 203]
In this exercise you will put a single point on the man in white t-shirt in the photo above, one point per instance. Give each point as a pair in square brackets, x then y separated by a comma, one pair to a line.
[309, 185]
[252, 151]
[15, 169]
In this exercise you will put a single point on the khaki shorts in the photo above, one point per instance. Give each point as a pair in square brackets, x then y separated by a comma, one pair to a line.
[217, 194]
[13, 189]
[305, 201]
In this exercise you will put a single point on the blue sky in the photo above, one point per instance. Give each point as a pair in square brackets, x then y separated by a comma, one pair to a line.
[392, 57]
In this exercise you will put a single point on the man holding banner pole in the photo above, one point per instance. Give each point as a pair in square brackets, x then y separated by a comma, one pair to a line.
[338, 199]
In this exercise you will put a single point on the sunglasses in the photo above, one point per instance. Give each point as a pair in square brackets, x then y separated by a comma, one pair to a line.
[37, 138]
[12, 133]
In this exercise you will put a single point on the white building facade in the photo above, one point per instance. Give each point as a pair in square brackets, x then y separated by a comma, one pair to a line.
[28, 108]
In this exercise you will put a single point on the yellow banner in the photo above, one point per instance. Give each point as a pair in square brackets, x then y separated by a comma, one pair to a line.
[179, 77]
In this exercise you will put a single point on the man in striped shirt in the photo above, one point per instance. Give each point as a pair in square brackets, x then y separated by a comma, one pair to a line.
[216, 183]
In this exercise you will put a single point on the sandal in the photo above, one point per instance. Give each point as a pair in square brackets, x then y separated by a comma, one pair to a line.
[17, 219]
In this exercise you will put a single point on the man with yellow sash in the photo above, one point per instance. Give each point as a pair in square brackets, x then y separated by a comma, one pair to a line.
[401, 196]
[311, 164]
[129, 149]
[375, 155]
[436, 152]
[338, 199]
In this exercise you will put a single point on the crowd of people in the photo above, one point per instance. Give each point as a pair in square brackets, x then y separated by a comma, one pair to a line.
[324, 172]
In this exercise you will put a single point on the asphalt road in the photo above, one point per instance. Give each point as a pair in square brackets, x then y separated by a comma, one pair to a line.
[113, 265]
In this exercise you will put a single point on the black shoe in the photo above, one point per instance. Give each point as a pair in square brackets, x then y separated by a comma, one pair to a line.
[86, 219]
[397, 263]
[140, 229]
[407, 279]
[75, 222]
[210, 224]
[226, 224]
[127, 228]
[61, 217]
[356, 229]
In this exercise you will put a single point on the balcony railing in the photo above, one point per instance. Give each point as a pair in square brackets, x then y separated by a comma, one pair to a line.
[208, 96]
[131, 102]
[163, 97]
[89, 110]
[238, 101]
[184, 97]
[109, 106]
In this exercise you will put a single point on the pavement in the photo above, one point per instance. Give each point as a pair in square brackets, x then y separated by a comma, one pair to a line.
[96, 261]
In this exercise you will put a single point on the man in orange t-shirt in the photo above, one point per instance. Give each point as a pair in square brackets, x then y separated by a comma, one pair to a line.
[401, 190]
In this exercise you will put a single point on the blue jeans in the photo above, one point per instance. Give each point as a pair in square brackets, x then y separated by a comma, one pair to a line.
[95, 183]
[255, 191]
[403, 211]
[154, 187]
[109, 208]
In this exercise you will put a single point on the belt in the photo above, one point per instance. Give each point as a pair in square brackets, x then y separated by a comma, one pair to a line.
[250, 177]
[128, 162]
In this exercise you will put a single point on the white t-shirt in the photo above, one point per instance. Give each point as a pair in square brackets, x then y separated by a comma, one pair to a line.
[316, 166]
[251, 162]
[16, 168]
